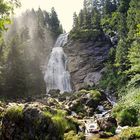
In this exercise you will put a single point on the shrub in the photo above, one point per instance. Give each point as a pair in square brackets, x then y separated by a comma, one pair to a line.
[73, 136]
[127, 116]
[127, 111]
[47, 114]
[85, 35]
[132, 133]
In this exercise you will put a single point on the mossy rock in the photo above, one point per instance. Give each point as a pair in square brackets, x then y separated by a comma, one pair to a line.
[14, 113]
[27, 123]
[94, 94]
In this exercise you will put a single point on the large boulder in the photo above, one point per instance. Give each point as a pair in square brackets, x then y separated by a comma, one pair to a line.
[108, 124]
[85, 61]
[28, 123]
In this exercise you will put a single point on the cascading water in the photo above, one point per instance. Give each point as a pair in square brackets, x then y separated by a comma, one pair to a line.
[56, 75]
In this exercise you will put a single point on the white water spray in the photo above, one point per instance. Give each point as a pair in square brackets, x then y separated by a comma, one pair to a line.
[56, 75]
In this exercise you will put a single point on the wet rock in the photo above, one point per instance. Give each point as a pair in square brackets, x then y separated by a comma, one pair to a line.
[91, 103]
[92, 78]
[54, 93]
[64, 96]
[90, 111]
[108, 124]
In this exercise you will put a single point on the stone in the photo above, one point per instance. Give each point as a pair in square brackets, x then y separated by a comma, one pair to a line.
[86, 61]
[108, 124]
[54, 93]
[31, 124]
[92, 78]
[91, 103]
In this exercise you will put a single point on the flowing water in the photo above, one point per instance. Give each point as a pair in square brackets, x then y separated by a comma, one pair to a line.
[57, 75]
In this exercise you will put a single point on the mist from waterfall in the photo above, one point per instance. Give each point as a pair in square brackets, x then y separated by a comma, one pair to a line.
[56, 74]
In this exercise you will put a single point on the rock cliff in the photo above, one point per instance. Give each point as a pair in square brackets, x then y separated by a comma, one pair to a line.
[86, 61]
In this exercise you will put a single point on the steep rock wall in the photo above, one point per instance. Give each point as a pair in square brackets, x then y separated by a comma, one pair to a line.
[86, 61]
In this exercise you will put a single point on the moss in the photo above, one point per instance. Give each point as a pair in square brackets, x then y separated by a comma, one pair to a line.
[73, 136]
[61, 124]
[72, 124]
[95, 94]
[47, 114]
[132, 133]
[14, 113]
[61, 112]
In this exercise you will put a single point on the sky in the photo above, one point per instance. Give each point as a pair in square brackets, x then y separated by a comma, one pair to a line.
[64, 9]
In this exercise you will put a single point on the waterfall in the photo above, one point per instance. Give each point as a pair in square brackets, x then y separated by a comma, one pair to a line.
[56, 74]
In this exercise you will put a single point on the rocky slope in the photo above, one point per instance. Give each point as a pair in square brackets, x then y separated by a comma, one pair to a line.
[85, 60]
[60, 117]
[49, 118]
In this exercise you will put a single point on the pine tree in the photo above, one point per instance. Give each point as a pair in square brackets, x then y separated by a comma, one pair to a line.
[75, 21]
[133, 18]
[15, 73]
[123, 6]
[96, 18]
[80, 19]
[54, 23]
[87, 14]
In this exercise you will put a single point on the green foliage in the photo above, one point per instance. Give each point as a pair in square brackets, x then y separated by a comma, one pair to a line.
[94, 94]
[61, 123]
[130, 133]
[54, 23]
[128, 108]
[6, 8]
[47, 114]
[134, 82]
[130, 100]
[85, 23]
[123, 6]
[121, 55]
[108, 7]
[127, 116]
[15, 72]
[73, 136]
[122, 75]
[85, 35]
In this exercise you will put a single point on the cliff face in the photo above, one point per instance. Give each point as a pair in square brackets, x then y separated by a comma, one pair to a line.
[86, 61]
